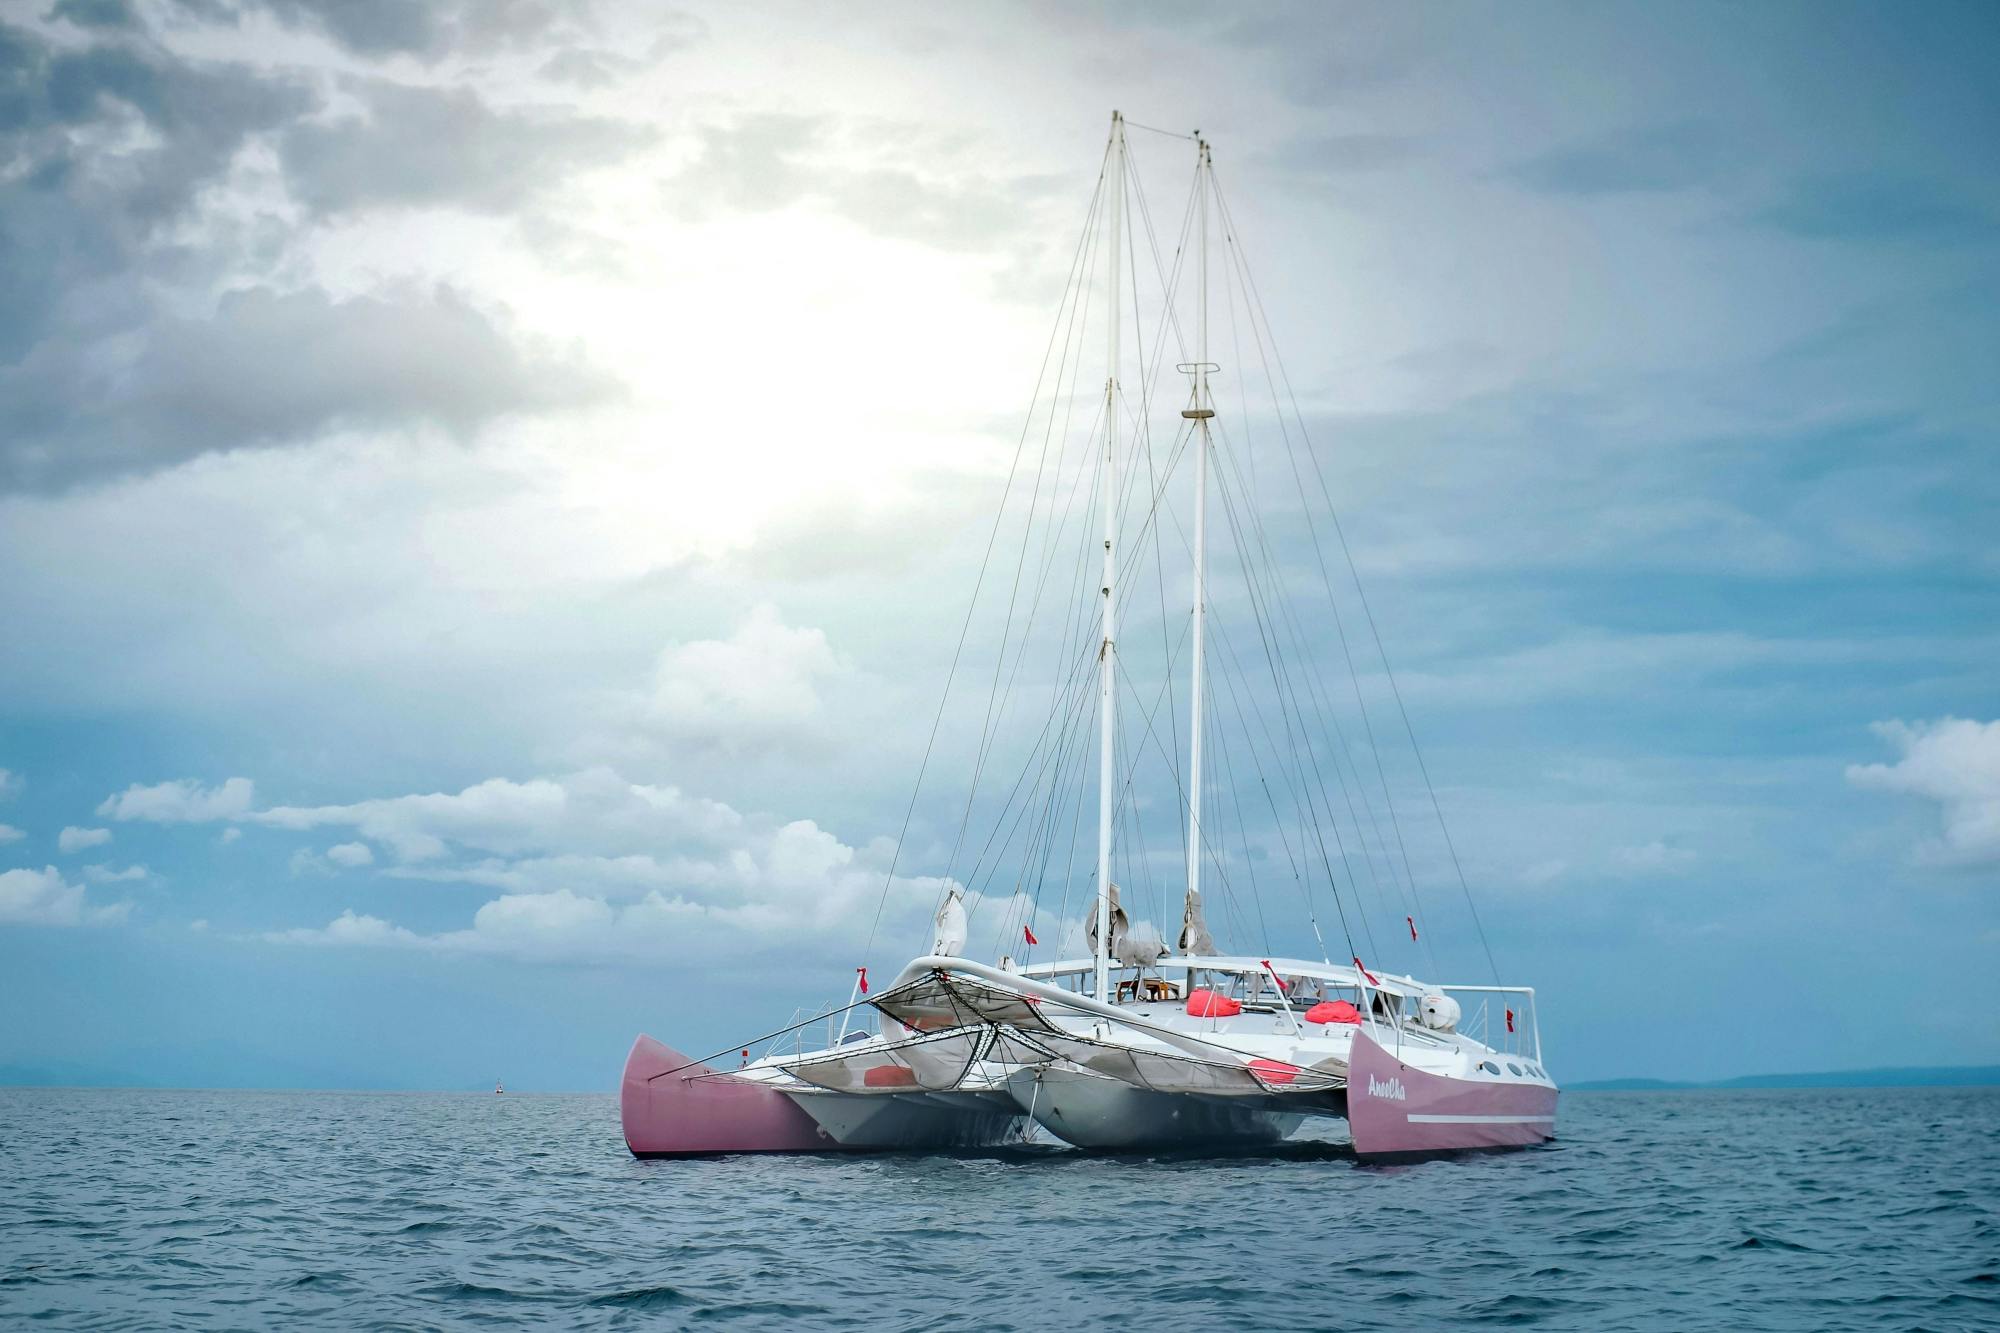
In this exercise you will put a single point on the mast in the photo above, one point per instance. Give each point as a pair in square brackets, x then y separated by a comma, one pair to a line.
[1107, 651]
[1200, 413]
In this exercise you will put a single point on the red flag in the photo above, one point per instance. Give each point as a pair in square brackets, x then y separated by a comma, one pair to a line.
[1366, 973]
[1510, 1020]
[1274, 975]
[1029, 934]
[864, 979]
[1413, 928]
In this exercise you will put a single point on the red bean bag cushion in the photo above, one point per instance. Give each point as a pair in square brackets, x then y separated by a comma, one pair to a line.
[1333, 1011]
[1207, 1004]
[889, 1076]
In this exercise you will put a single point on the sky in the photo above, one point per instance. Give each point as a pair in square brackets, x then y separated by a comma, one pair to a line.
[489, 494]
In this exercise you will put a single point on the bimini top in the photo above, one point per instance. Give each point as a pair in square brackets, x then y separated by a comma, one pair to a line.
[1341, 974]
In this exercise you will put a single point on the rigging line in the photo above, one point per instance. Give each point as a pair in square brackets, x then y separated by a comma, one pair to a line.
[1412, 901]
[1260, 601]
[889, 879]
[1075, 713]
[1281, 684]
[989, 726]
[1151, 129]
[1207, 845]
[1146, 385]
[1052, 820]
[1277, 820]
[1340, 626]
[1078, 674]
[1236, 804]
[1256, 296]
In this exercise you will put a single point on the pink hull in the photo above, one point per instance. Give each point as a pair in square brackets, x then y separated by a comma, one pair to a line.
[1394, 1108]
[669, 1111]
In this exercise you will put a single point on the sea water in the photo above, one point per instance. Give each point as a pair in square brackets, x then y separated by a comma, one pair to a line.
[1792, 1210]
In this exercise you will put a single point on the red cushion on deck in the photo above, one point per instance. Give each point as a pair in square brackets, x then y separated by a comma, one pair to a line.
[889, 1076]
[1333, 1011]
[1207, 1004]
[1274, 1071]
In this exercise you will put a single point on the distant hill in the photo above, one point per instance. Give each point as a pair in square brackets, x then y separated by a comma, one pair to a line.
[1923, 1076]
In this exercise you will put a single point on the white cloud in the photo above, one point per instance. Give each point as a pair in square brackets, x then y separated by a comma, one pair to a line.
[759, 688]
[1653, 858]
[43, 898]
[10, 784]
[8, 833]
[1956, 763]
[349, 928]
[306, 861]
[104, 874]
[184, 801]
[350, 854]
[74, 839]
[229, 835]
[591, 866]
[594, 811]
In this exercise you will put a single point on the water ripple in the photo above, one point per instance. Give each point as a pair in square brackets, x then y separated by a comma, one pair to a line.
[1833, 1210]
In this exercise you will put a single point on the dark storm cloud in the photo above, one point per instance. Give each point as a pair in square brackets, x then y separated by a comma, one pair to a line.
[429, 29]
[95, 13]
[416, 147]
[105, 366]
[75, 212]
[1676, 156]
[268, 368]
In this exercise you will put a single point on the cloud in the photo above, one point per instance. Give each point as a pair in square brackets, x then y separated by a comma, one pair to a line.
[419, 147]
[8, 833]
[73, 839]
[350, 855]
[10, 785]
[594, 867]
[1674, 156]
[1879, 208]
[432, 29]
[595, 809]
[1954, 762]
[351, 929]
[183, 801]
[42, 898]
[84, 193]
[758, 687]
[104, 874]
[1653, 858]
[891, 180]
[305, 861]
[265, 368]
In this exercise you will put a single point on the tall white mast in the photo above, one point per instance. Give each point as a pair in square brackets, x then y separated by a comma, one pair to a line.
[1107, 651]
[1200, 413]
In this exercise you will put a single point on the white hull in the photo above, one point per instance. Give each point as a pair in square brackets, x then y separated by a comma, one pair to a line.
[1092, 1111]
[917, 1120]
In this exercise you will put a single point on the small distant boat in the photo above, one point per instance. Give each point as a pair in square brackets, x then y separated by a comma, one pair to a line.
[1138, 1046]
[497, 1089]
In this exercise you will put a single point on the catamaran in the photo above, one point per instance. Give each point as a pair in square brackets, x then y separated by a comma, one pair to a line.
[1131, 1044]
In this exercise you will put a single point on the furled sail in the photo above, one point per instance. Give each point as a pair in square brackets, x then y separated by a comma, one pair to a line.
[1121, 926]
[950, 938]
[1195, 938]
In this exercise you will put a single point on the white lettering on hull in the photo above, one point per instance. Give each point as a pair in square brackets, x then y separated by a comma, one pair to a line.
[1392, 1090]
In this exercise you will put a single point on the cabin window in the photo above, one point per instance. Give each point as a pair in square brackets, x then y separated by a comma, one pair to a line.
[1489, 1066]
[1513, 1069]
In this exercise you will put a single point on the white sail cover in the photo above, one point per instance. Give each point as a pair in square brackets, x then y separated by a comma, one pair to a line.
[950, 936]
[1195, 938]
